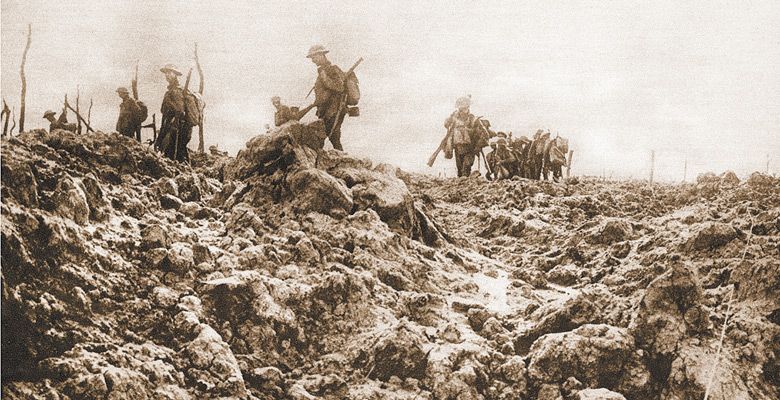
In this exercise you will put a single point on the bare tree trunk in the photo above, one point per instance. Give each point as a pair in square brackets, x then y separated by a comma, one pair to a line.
[7, 113]
[24, 79]
[200, 90]
[13, 120]
[134, 82]
[78, 109]
[89, 112]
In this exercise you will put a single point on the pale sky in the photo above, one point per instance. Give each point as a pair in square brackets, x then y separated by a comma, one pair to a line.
[698, 80]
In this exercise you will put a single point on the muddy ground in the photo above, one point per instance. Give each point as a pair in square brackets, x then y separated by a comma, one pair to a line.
[294, 273]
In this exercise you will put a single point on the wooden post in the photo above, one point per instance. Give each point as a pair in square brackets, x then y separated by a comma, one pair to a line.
[685, 170]
[134, 82]
[200, 91]
[24, 79]
[13, 120]
[7, 113]
[767, 164]
[89, 112]
[134, 89]
[568, 164]
[652, 165]
[78, 109]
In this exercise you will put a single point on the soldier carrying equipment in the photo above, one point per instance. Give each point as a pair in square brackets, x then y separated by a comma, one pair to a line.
[175, 129]
[333, 91]
[131, 114]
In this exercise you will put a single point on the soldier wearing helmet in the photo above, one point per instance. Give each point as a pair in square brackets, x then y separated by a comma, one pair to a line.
[59, 123]
[175, 130]
[462, 124]
[328, 94]
[129, 113]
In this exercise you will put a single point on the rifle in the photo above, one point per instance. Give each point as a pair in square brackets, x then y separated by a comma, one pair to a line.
[343, 101]
[305, 111]
[443, 143]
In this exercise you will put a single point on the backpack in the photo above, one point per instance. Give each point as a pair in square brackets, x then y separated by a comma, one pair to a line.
[143, 112]
[353, 89]
[194, 106]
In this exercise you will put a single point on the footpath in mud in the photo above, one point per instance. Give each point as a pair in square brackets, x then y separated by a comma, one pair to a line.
[290, 272]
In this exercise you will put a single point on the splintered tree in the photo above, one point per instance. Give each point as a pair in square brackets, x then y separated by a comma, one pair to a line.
[6, 114]
[78, 110]
[24, 79]
[200, 91]
[89, 112]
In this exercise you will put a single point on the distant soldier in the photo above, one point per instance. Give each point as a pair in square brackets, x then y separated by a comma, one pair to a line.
[519, 147]
[502, 160]
[329, 94]
[129, 114]
[462, 124]
[59, 123]
[283, 113]
[175, 129]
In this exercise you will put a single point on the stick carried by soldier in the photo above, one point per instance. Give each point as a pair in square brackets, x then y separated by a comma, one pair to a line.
[442, 145]
[333, 91]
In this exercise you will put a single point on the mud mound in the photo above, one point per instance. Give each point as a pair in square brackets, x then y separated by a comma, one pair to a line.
[294, 272]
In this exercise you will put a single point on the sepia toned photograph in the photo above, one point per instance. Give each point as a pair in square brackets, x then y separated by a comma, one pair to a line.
[368, 200]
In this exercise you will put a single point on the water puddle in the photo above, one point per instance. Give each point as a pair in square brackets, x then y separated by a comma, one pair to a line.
[494, 290]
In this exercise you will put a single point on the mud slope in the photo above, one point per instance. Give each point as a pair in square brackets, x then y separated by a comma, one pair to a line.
[292, 273]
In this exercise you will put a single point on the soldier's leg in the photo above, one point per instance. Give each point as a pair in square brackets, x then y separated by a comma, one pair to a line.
[186, 136]
[468, 162]
[335, 137]
[459, 161]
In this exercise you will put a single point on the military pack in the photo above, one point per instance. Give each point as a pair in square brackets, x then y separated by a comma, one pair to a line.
[352, 86]
[194, 106]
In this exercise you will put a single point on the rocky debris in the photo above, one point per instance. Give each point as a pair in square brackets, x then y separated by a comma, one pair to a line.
[316, 190]
[729, 178]
[611, 231]
[400, 353]
[70, 201]
[598, 394]
[169, 201]
[757, 180]
[711, 236]
[589, 307]
[596, 355]
[126, 274]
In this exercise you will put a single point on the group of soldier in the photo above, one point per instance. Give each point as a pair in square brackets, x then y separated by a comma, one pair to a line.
[467, 136]
[336, 94]
[181, 110]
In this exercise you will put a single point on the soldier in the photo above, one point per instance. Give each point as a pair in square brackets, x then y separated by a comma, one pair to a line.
[129, 114]
[519, 148]
[461, 122]
[59, 123]
[175, 130]
[502, 161]
[283, 113]
[329, 94]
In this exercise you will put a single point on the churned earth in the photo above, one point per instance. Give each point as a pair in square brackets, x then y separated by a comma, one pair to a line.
[291, 272]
